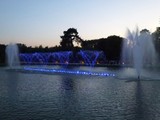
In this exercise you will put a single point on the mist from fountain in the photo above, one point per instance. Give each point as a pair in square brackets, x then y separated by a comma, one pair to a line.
[138, 50]
[12, 55]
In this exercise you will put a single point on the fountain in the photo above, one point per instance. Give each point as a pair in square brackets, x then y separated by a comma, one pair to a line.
[91, 58]
[12, 55]
[138, 50]
[72, 92]
[85, 57]
[46, 58]
[64, 59]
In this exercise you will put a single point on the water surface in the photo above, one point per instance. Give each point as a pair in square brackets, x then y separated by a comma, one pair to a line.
[34, 96]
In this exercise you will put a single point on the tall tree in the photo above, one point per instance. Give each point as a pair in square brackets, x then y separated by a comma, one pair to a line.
[2, 54]
[144, 31]
[111, 46]
[156, 39]
[69, 36]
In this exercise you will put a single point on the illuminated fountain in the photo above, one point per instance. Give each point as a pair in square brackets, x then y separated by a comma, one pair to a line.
[91, 58]
[138, 50]
[46, 58]
[63, 59]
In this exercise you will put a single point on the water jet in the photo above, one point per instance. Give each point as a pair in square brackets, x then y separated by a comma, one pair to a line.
[138, 50]
[12, 55]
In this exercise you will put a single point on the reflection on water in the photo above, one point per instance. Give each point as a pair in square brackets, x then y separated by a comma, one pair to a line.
[77, 97]
[139, 102]
[67, 83]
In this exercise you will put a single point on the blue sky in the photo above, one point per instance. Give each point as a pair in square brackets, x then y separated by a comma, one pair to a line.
[42, 22]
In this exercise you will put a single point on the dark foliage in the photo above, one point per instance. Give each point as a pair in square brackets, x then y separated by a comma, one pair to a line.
[2, 54]
[111, 45]
[156, 40]
[69, 36]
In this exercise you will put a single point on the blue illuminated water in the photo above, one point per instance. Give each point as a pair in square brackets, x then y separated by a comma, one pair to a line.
[84, 57]
[59, 96]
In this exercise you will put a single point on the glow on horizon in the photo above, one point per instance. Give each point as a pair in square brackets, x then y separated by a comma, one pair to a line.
[42, 22]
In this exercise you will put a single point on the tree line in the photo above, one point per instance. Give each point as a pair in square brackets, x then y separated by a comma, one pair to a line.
[111, 46]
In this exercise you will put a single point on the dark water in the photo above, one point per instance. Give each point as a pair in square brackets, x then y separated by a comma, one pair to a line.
[26, 96]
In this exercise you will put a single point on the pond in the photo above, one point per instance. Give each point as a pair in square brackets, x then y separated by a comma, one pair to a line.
[58, 96]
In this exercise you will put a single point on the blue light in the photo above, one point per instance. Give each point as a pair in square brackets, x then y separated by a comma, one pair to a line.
[48, 70]
[85, 57]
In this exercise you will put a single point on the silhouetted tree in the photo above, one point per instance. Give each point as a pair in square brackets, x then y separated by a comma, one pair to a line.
[2, 54]
[69, 36]
[91, 44]
[112, 47]
[144, 31]
[22, 48]
[156, 40]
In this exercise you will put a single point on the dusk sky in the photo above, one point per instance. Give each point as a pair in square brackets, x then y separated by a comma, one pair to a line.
[42, 22]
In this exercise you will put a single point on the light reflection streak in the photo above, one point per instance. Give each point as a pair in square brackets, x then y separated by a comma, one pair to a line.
[47, 70]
